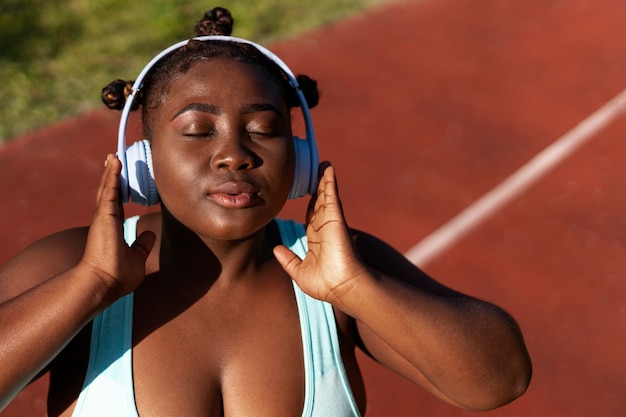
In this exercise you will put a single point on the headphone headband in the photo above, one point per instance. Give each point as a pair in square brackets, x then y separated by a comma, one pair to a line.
[311, 166]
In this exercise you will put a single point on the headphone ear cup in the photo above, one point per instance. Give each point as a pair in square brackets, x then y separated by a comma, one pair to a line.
[140, 186]
[305, 169]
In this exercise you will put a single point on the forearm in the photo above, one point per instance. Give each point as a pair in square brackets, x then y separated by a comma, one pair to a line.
[39, 323]
[470, 351]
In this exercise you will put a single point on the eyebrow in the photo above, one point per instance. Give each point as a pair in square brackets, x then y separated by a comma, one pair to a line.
[259, 107]
[201, 107]
[213, 109]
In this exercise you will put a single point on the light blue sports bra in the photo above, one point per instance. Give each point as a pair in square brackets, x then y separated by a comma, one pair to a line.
[108, 388]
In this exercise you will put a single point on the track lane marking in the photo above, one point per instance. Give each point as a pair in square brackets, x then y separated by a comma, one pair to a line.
[471, 217]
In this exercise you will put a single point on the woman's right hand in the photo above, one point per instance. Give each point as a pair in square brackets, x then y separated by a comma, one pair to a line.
[45, 301]
[107, 256]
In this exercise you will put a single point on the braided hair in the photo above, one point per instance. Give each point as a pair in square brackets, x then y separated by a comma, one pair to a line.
[217, 21]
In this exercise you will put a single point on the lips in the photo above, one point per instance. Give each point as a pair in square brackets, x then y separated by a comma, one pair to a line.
[235, 194]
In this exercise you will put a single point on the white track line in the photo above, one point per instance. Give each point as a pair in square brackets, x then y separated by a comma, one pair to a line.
[457, 227]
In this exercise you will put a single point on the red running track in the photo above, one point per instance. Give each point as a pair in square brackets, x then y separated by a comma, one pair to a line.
[426, 106]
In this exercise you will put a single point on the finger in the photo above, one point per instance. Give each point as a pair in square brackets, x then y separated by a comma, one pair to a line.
[328, 206]
[108, 193]
[330, 179]
[327, 197]
[103, 177]
[110, 176]
[322, 169]
[288, 260]
[322, 175]
[310, 209]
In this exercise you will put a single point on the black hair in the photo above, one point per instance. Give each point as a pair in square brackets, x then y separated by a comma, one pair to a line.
[217, 21]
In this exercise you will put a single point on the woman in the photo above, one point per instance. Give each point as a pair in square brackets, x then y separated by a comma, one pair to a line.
[212, 306]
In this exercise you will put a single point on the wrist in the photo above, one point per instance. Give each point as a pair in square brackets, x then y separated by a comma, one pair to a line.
[349, 295]
[103, 288]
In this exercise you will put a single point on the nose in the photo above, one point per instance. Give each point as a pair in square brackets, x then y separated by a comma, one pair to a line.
[233, 153]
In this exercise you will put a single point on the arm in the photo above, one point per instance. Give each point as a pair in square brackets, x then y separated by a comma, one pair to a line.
[53, 288]
[466, 351]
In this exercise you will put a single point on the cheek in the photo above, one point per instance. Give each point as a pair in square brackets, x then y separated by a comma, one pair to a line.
[171, 174]
[284, 166]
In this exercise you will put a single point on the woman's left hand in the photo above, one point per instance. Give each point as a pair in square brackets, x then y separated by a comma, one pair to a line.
[463, 350]
[331, 266]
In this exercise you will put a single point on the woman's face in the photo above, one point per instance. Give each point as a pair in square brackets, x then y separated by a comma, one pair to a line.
[222, 149]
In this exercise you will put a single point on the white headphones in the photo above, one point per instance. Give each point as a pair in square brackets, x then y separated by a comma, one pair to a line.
[137, 177]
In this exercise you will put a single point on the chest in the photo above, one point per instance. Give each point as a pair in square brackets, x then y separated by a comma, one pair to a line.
[235, 352]
[238, 355]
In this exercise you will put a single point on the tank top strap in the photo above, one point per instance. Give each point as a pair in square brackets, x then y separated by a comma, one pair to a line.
[327, 390]
[108, 386]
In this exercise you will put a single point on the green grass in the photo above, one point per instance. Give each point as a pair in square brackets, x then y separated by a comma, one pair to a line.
[56, 55]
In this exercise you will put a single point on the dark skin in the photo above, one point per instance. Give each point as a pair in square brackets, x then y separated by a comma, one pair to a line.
[223, 162]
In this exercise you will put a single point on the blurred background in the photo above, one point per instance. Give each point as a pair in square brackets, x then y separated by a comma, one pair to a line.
[56, 55]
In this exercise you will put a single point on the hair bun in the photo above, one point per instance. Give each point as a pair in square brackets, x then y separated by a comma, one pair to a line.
[309, 89]
[115, 94]
[217, 21]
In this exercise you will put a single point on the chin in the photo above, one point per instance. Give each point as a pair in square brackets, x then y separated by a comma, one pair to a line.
[237, 228]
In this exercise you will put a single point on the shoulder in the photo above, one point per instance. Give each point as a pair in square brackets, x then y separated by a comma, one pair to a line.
[381, 256]
[42, 260]
[378, 254]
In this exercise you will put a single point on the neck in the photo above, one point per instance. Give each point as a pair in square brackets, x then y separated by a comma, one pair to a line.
[185, 253]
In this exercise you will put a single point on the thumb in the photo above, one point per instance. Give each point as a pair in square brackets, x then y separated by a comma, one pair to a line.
[287, 259]
[143, 245]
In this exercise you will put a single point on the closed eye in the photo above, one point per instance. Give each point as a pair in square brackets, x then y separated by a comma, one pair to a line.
[264, 126]
[199, 135]
[261, 134]
[199, 130]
